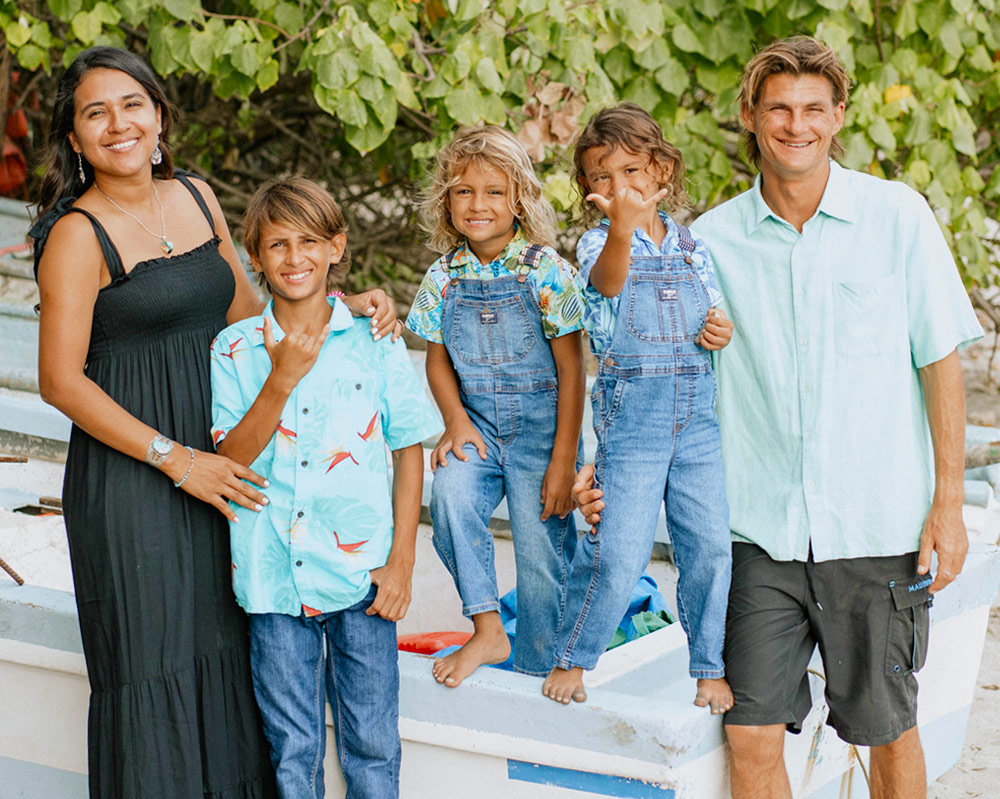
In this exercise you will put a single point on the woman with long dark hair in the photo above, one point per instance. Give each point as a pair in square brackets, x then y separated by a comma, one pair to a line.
[137, 273]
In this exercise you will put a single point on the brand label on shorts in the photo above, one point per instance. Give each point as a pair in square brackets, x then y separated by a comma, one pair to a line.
[487, 317]
[667, 294]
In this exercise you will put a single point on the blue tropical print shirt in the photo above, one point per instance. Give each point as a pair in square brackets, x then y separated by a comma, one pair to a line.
[329, 517]
[553, 282]
[600, 313]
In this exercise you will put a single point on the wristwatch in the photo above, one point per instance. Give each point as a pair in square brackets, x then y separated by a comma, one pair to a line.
[159, 448]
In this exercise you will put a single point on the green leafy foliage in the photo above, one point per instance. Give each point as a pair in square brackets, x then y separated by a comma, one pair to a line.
[377, 86]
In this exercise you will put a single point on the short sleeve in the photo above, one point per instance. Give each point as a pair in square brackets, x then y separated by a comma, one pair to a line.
[424, 318]
[408, 416]
[588, 248]
[939, 314]
[706, 271]
[558, 296]
[228, 408]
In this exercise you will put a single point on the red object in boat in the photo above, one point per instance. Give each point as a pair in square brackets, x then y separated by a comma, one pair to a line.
[429, 643]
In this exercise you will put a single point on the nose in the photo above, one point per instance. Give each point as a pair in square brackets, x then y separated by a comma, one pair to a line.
[796, 120]
[116, 120]
[294, 254]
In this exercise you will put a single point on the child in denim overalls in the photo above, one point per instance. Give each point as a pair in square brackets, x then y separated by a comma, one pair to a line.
[649, 296]
[502, 316]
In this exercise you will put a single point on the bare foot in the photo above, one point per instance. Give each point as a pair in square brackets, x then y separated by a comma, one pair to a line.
[714, 694]
[564, 684]
[489, 644]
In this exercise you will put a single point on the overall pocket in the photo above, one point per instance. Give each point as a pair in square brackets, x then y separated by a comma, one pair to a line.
[665, 306]
[494, 332]
[906, 642]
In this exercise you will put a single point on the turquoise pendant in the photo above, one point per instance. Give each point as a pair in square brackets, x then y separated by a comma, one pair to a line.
[166, 246]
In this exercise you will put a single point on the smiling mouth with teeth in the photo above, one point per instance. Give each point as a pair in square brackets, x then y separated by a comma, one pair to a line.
[121, 145]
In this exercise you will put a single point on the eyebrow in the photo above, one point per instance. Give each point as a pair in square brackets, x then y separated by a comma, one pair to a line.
[129, 96]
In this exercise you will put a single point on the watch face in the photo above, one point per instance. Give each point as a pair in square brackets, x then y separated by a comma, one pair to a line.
[162, 446]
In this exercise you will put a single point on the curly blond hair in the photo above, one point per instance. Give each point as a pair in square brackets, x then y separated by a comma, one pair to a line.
[630, 127]
[492, 146]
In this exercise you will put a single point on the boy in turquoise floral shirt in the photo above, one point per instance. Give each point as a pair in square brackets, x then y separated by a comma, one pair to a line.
[309, 400]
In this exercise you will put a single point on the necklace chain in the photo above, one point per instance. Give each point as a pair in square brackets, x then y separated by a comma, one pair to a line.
[165, 245]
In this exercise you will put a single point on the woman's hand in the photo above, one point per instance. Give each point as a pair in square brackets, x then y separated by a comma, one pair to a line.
[381, 308]
[216, 480]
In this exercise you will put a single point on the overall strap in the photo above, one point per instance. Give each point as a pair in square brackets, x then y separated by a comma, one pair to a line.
[111, 256]
[685, 241]
[531, 256]
[183, 177]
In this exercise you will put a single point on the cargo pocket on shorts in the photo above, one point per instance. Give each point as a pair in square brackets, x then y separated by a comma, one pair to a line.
[906, 643]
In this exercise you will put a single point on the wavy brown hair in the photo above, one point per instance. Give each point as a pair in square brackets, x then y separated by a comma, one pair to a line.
[797, 55]
[630, 127]
[302, 204]
[486, 145]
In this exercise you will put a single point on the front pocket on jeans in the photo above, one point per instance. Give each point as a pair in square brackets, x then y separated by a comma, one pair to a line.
[906, 642]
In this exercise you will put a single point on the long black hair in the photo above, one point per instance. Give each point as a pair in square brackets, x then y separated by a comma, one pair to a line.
[60, 165]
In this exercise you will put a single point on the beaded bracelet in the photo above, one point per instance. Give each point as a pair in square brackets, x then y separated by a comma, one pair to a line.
[336, 294]
[190, 467]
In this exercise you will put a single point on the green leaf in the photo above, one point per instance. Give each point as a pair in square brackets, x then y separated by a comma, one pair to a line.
[464, 105]
[880, 133]
[858, 153]
[931, 18]
[980, 60]
[654, 56]
[289, 16]
[684, 38]
[185, 10]
[267, 75]
[337, 70]
[673, 78]
[718, 79]
[906, 20]
[31, 56]
[86, 26]
[919, 172]
[202, 50]
[367, 137]
[963, 138]
[351, 109]
[950, 39]
[41, 35]
[65, 9]
[906, 61]
[487, 75]
[244, 58]
[642, 91]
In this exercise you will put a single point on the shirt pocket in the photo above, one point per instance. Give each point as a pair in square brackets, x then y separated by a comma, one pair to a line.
[866, 316]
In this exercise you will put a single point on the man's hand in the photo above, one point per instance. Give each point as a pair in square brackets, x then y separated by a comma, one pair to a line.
[944, 533]
[587, 498]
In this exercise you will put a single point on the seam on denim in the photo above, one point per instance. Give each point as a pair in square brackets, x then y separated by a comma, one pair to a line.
[587, 599]
[449, 564]
[319, 705]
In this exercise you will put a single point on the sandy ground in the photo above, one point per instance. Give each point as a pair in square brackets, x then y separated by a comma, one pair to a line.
[978, 772]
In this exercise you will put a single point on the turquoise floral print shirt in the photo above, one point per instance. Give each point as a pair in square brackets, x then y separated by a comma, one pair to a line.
[329, 519]
[600, 313]
[553, 282]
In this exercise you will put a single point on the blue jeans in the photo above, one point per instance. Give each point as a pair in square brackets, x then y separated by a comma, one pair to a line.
[463, 497]
[355, 656]
[657, 441]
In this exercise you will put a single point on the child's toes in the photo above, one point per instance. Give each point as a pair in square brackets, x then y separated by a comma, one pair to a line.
[579, 695]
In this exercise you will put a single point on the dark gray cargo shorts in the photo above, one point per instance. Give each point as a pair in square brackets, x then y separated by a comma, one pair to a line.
[869, 617]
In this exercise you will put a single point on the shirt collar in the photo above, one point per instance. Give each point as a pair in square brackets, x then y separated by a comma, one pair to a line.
[465, 257]
[836, 200]
[340, 319]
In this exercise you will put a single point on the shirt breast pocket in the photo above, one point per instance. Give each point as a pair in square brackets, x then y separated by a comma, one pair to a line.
[867, 316]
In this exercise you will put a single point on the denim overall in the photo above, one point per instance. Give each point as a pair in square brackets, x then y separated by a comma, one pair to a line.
[507, 382]
[657, 442]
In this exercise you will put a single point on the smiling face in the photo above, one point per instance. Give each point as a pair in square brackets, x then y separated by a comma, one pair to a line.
[606, 173]
[480, 206]
[115, 123]
[295, 262]
[794, 122]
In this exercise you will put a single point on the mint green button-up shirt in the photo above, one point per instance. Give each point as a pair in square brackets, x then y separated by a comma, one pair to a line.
[824, 431]
[329, 519]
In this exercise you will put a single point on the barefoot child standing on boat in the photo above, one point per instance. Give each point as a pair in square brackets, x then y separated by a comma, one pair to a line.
[650, 296]
[304, 394]
[502, 317]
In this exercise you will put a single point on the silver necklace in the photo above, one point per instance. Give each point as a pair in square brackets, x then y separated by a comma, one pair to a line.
[165, 245]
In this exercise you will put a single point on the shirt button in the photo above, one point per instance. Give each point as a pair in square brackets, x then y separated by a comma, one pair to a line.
[305, 410]
[305, 463]
[799, 292]
[357, 386]
[810, 483]
[301, 513]
[802, 341]
[298, 563]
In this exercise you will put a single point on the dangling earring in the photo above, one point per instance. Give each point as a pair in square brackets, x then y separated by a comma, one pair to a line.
[157, 156]
[79, 161]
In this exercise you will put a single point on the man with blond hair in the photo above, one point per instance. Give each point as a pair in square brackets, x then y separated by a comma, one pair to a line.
[842, 412]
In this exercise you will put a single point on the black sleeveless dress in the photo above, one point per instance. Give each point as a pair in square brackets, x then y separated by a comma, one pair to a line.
[172, 710]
